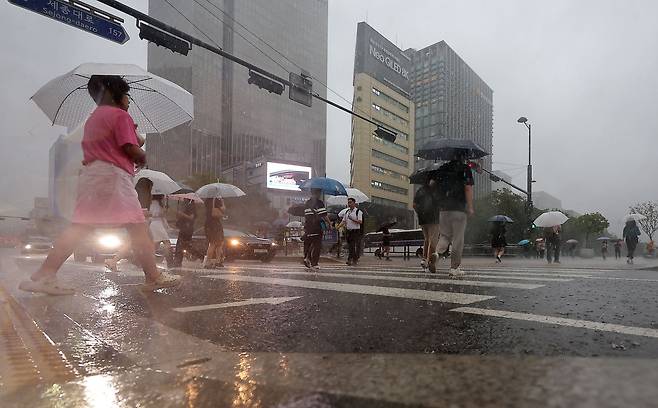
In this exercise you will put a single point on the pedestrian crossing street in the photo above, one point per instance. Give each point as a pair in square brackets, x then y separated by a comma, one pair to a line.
[395, 282]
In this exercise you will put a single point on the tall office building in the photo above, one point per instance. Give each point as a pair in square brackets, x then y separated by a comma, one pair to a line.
[238, 125]
[452, 101]
[381, 168]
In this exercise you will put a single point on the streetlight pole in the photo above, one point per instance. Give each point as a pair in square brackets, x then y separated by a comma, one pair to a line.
[529, 204]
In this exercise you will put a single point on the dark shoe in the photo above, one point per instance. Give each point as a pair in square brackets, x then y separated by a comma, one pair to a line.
[349, 262]
[307, 263]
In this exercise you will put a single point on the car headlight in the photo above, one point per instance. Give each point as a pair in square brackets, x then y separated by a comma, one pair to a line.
[28, 246]
[235, 242]
[274, 244]
[109, 241]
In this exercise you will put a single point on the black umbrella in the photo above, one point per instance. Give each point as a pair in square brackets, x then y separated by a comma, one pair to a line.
[450, 149]
[297, 210]
[421, 175]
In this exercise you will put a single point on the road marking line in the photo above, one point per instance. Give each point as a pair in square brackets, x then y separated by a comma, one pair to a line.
[479, 275]
[436, 296]
[479, 270]
[623, 279]
[248, 302]
[457, 282]
[560, 321]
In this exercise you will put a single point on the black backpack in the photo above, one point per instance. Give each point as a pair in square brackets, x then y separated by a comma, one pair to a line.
[450, 184]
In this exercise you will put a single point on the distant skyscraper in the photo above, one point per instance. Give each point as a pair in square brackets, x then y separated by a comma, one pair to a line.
[235, 122]
[452, 101]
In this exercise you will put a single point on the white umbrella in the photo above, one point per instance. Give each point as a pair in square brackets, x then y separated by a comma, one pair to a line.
[219, 190]
[634, 217]
[294, 224]
[156, 104]
[162, 183]
[354, 193]
[551, 219]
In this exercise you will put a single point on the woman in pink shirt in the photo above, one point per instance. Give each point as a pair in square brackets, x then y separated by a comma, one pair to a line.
[106, 196]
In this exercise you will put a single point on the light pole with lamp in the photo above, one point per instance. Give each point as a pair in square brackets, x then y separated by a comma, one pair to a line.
[524, 120]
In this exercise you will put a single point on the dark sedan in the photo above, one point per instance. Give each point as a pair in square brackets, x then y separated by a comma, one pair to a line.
[239, 245]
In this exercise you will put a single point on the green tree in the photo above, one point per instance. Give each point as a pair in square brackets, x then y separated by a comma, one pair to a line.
[591, 223]
[197, 181]
[650, 210]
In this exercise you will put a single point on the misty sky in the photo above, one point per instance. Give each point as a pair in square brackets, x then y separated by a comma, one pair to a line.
[585, 73]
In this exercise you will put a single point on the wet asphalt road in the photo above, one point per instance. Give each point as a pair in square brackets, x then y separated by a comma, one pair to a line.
[387, 310]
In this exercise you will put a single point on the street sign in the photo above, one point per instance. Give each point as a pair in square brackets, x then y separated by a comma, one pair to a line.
[79, 15]
[301, 89]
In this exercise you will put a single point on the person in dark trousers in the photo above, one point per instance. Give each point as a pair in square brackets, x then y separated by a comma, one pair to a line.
[353, 219]
[631, 236]
[315, 221]
[498, 240]
[185, 219]
[427, 211]
[386, 242]
[617, 246]
[604, 250]
[552, 238]
[455, 192]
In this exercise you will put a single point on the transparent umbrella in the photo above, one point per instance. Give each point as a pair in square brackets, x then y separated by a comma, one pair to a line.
[551, 219]
[156, 104]
[219, 190]
[162, 183]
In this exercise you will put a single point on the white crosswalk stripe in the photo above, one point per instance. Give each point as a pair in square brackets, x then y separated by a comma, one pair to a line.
[455, 282]
[437, 296]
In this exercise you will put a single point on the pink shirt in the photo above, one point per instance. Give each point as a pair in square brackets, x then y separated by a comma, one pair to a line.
[106, 131]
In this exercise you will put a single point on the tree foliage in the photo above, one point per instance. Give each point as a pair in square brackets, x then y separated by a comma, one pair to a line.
[502, 202]
[591, 223]
[650, 210]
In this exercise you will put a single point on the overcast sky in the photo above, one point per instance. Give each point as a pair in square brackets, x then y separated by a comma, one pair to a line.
[584, 72]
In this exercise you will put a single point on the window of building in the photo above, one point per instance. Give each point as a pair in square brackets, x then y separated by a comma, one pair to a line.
[391, 115]
[389, 187]
[401, 134]
[390, 173]
[390, 144]
[387, 202]
[390, 100]
[387, 157]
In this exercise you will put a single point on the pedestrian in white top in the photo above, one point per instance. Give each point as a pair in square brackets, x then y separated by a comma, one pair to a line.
[353, 220]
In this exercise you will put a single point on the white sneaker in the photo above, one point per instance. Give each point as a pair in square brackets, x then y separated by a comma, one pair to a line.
[307, 263]
[165, 280]
[423, 264]
[49, 286]
[456, 273]
[315, 268]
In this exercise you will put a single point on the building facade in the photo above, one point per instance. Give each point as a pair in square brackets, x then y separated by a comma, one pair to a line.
[378, 167]
[452, 101]
[235, 122]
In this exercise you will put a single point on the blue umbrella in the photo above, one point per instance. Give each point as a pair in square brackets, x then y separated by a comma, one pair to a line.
[523, 242]
[500, 218]
[328, 186]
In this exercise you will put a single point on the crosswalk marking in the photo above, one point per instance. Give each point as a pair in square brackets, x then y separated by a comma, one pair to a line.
[561, 321]
[475, 269]
[436, 296]
[456, 282]
[248, 302]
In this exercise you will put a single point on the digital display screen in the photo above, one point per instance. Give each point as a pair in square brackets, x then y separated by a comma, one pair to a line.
[282, 176]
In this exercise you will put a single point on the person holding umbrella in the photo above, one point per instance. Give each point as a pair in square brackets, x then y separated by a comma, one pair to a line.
[214, 229]
[631, 235]
[552, 238]
[604, 249]
[498, 240]
[185, 219]
[106, 195]
[316, 221]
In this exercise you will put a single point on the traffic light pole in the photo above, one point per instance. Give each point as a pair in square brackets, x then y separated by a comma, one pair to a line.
[139, 16]
[529, 187]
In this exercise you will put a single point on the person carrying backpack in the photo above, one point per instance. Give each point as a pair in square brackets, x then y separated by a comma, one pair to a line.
[455, 197]
[316, 221]
[427, 210]
[353, 220]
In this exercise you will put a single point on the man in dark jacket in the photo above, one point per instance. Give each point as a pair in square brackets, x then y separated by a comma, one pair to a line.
[185, 219]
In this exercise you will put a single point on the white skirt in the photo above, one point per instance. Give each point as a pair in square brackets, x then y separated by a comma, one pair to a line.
[158, 230]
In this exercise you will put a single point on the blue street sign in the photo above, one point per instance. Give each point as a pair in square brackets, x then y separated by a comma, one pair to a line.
[76, 16]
